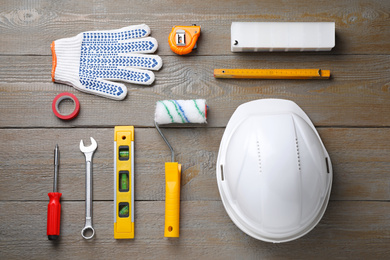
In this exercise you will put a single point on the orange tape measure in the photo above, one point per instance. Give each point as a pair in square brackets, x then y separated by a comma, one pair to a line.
[182, 39]
[272, 74]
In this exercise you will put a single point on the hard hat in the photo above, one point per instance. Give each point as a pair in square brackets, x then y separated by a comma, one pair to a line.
[274, 174]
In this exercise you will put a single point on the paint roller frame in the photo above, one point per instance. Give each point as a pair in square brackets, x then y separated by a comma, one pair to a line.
[173, 170]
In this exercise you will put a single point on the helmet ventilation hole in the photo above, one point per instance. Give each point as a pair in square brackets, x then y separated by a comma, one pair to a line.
[259, 155]
[298, 156]
[222, 177]
[327, 164]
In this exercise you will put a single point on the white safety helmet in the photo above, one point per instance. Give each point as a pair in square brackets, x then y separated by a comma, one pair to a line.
[274, 174]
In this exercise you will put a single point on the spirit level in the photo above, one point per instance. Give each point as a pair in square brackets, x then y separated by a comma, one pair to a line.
[124, 182]
[272, 73]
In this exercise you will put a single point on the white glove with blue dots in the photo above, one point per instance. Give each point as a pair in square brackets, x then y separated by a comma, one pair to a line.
[90, 60]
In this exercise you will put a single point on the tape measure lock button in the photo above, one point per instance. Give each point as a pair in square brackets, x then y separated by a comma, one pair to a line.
[180, 38]
[65, 96]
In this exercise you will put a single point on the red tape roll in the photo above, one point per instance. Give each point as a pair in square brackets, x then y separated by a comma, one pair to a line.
[57, 100]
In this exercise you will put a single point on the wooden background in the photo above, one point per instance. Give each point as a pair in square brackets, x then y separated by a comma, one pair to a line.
[351, 112]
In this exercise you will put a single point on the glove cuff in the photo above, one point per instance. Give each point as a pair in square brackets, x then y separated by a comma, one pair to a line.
[54, 62]
[66, 60]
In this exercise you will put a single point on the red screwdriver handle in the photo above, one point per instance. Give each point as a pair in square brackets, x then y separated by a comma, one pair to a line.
[54, 215]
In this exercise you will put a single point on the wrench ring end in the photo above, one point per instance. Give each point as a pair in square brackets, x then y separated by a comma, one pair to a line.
[85, 229]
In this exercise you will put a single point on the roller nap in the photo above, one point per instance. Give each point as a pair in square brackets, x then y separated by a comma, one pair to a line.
[181, 111]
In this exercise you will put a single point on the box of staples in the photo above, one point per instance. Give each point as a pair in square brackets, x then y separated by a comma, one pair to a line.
[282, 36]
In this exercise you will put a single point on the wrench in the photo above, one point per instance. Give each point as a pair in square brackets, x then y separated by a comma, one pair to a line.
[88, 152]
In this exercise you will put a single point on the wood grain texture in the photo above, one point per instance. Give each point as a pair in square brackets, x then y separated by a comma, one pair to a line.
[357, 95]
[206, 232]
[360, 157]
[351, 112]
[362, 26]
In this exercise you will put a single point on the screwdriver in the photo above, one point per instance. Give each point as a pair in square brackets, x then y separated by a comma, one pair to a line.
[54, 207]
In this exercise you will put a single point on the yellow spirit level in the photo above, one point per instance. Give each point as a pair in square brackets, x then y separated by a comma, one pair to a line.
[124, 182]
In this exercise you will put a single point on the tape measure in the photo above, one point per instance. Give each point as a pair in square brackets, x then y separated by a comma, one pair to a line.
[271, 73]
[182, 39]
[124, 182]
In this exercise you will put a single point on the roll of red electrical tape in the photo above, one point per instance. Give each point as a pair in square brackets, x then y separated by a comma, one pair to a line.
[60, 97]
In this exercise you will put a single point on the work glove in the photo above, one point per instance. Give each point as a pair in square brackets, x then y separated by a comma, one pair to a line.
[90, 60]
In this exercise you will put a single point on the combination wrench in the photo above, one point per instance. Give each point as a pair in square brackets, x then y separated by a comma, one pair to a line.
[88, 152]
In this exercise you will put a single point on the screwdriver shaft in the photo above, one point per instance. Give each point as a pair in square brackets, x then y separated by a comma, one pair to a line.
[56, 163]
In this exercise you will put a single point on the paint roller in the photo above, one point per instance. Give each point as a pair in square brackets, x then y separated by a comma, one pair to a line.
[180, 112]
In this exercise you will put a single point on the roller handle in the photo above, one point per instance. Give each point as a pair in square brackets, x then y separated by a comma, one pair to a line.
[54, 215]
[172, 199]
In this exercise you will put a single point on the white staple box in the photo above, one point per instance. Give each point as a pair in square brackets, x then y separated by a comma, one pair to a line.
[282, 36]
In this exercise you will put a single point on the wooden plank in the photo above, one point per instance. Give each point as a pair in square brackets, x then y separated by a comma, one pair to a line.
[362, 27]
[346, 231]
[359, 90]
[351, 112]
[360, 157]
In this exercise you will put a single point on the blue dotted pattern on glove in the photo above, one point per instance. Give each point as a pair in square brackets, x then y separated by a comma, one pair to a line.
[100, 59]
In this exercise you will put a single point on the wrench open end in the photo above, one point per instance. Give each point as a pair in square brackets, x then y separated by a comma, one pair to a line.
[88, 149]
